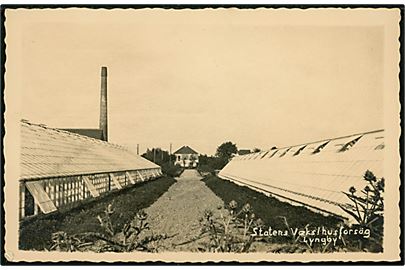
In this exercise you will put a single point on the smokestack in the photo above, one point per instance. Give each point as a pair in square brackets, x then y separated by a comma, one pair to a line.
[103, 104]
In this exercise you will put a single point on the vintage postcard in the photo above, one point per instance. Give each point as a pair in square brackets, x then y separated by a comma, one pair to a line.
[191, 134]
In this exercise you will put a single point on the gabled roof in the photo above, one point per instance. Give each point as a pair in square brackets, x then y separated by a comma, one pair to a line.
[89, 132]
[49, 152]
[185, 150]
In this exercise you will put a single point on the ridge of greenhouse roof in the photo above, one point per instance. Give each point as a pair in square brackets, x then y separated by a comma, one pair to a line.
[330, 139]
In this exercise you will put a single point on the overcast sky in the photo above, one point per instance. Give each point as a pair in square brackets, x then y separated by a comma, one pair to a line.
[200, 78]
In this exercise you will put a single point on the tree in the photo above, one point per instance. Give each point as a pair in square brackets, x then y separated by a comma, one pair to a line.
[203, 159]
[157, 155]
[226, 150]
[210, 163]
[162, 158]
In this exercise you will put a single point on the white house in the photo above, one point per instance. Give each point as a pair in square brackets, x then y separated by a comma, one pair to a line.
[186, 157]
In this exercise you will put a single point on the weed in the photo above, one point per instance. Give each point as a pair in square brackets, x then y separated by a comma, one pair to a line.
[367, 208]
[229, 232]
[61, 241]
[109, 238]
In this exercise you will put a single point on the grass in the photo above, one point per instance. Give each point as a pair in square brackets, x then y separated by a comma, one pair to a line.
[35, 234]
[269, 208]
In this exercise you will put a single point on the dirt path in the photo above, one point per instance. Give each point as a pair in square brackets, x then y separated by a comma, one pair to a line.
[177, 211]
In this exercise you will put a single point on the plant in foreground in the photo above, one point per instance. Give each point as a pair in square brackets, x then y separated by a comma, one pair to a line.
[229, 232]
[108, 239]
[367, 208]
[61, 241]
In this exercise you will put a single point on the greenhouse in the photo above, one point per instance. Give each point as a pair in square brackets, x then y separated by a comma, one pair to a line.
[61, 168]
[313, 174]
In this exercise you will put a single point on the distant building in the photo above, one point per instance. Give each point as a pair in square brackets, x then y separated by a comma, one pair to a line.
[94, 133]
[186, 157]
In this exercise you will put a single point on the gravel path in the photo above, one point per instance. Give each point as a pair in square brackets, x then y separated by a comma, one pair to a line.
[178, 210]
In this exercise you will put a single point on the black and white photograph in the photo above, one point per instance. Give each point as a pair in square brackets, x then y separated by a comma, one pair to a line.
[195, 134]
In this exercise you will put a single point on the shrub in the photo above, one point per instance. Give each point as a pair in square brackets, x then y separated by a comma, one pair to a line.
[172, 170]
[210, 164]
[205, 168]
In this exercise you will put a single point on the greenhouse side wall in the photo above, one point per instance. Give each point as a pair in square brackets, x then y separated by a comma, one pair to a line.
[46, 195]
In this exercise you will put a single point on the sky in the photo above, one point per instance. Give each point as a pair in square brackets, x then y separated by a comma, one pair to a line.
[200, 78]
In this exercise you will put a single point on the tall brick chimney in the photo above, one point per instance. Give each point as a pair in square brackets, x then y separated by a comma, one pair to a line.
[103, 104]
